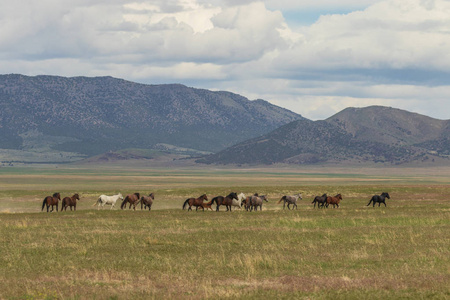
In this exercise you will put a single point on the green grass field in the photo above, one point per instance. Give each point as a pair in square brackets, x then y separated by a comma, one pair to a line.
[354, 252]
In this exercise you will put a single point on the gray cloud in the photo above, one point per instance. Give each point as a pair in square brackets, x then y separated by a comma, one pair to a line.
[375, 55]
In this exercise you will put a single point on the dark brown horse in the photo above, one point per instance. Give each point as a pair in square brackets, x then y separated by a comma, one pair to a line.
[51, 200]
[334, 200]
[197, 202]
[70, 201]
[227, 201]
[147, 201]
[133, 199]
[320, 200]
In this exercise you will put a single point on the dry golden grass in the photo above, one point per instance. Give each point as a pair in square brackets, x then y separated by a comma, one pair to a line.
[401, 251]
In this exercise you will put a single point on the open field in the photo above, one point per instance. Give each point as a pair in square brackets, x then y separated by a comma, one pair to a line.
[356, 252]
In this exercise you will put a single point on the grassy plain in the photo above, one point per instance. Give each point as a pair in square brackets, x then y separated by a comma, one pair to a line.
[354, 252]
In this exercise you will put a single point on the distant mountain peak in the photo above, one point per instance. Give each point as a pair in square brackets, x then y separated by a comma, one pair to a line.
[374, 134]
[94, 115]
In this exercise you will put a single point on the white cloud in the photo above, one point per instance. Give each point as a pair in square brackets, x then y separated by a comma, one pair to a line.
[381, 52]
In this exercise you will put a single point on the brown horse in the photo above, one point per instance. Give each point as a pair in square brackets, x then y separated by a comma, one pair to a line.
[207, 205]
[246, 202]
[133, 199]
[197, 202]
[227, 201]
[70, 201]
[334, 200]
[147, 201]
[51, 200]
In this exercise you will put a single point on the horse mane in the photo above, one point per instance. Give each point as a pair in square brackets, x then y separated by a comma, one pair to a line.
[137, 195]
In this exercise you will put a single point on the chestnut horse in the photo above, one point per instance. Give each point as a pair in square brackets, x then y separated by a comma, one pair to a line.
[133, 199]
[227, 201]
[147, 201]
[320, 200]
[197, 202]
[70, 201]
[51, 200]
[380, 199]
[207, 205]
[334, 200]
[246, 202]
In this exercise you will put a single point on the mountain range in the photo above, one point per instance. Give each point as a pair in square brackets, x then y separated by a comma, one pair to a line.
[48, 119]
[71, 118]
[373, 134]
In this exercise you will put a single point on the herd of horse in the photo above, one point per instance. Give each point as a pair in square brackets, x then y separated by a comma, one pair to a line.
[250, 203]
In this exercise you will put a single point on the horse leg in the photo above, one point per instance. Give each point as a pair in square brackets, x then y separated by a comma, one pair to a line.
[384, 204]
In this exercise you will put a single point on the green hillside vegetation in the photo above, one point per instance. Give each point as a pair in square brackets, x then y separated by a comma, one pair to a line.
[91, 116]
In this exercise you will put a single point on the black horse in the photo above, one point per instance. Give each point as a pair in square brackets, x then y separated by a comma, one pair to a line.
[380, 199]
[320, 200]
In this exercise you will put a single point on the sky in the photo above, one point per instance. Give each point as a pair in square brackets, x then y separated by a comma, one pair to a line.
[312, 57]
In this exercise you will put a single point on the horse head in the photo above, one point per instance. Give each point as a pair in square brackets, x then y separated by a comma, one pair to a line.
[151, 195]
[233, 196]
[386, 195]
[120, 196]
[264, 197]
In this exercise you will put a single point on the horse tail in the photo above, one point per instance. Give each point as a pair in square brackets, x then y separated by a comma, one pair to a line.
[98, 200]
[185, 203]
[124, 202]
[43, 203]
[282, 198]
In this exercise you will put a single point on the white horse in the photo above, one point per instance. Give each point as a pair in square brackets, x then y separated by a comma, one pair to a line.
[238, 202]
[110, 200]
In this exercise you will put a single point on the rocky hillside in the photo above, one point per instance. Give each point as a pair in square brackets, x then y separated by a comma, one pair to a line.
[87, 116]
[360, 135]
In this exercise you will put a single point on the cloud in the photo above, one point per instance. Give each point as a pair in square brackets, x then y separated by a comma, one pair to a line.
[374, 52]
